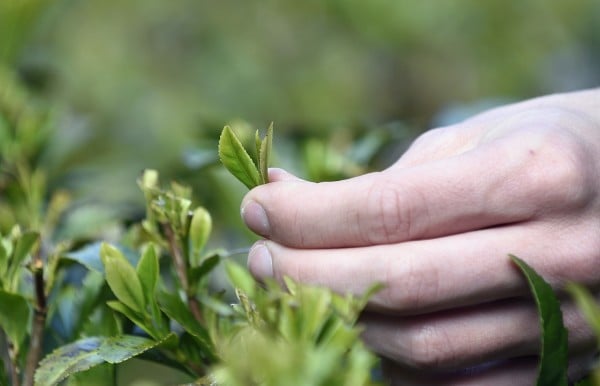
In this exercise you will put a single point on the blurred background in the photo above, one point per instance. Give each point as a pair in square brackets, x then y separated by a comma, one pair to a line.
[140, 84]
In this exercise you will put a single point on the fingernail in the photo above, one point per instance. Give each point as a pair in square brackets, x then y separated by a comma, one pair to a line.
[255, 218]
[260, 262]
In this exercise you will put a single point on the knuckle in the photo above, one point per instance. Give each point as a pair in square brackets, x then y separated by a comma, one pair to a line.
[390, 214]
[559, 165]
[429, 348]
[411, 286]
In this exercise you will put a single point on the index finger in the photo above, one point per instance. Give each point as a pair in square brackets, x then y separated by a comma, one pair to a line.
[500, 182]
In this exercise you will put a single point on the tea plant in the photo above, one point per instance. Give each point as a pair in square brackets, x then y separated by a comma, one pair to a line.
[87, 306]
[93, 305]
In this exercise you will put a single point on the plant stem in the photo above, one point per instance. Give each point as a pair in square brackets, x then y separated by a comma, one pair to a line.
[181, 270]
[39, 321]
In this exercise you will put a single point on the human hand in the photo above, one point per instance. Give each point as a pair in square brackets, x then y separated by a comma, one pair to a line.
[436, 229]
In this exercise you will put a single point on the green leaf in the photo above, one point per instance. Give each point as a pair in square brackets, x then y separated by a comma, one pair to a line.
[553, 356]
[148, 271]
[25, 243]
[587, 304]
[134, 316]
[3, 261]
[196, 274]
[241, 278]
[265, 154]
[118, 349]
[122, 278]
[14, 316]
[101, 375]
[235, 158]
[90, 352]
[177, 310]
[89, 256]
[69, 359]
[149, 179]
[200, 228]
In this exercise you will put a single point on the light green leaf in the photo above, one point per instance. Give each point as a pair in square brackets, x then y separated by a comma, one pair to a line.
[553, 356]
[200, 228]
[241, 278]
[14, 316]
[122, 278]
[118, 349]
[149, 179]
[257, 144]
[148, 271]
[265, 154]
[587, 304]
[235, 158]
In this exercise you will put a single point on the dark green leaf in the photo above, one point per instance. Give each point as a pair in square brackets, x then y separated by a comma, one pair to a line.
[14, 316]
[235, 158]
[23, 248]
[3, 261]
[176, 309]
[553, 356]
[69, 359]
[101, 375]
[198, 273]
[134, 316]
[89, 352]
[122, 278]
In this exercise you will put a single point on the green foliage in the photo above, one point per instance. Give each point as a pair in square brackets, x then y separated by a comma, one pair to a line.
[14, 317]
[122, 278]
[152, 294]
[308, 331]
[90, 352]
[237, 160]
[554, 343]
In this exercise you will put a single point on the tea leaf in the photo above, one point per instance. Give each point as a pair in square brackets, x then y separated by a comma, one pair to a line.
[134, 316]
[148, 271]
[198, 273]
[14, 316]
[241, 278]
[122, 278]
[235, 158]
[118, 349]
[23, 247]
[176, 309]
[101, 375]
[553, 356]
[66, 360]
[200, 228]
[265, 154]
[89, 352]
[587, 304]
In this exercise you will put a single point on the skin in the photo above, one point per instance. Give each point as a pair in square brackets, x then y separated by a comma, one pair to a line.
[436, 229]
